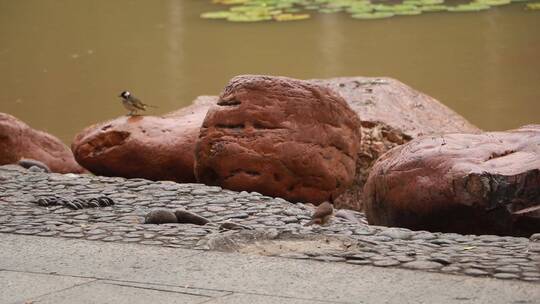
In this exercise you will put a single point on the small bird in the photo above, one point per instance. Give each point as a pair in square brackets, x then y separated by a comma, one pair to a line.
[132, 103]
[322, 214]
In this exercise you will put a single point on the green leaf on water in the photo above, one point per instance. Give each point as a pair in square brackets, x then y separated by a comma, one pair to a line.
[291, 17]
[493, 2]
[216, 15]
[471, 7]
[375, 15]
[434, 8]
[288, 10]
[408, 13]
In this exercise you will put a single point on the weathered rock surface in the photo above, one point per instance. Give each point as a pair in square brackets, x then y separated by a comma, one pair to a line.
[392, 114]
[151, 147]
[466, 183]
[281, 137]
[18, 141]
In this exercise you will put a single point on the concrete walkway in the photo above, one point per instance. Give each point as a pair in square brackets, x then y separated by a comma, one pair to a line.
[55, 270]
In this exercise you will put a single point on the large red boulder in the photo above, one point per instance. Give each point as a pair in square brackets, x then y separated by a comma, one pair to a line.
[280, 137]
[18, 140]
[485, 183]
[151, 147]
[392, 114]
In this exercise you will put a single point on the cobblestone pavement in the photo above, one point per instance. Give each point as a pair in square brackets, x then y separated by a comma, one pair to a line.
[484, 255]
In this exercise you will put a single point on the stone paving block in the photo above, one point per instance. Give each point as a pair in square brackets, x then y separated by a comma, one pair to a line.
[19, 286]
[242, 273]
[241, 298]
[208, 293]
[101, 292]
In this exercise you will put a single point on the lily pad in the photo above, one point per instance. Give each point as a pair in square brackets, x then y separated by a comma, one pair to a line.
[395, 8]
[434, 8]
[471, 7]
[291, 17]
[247, 18]
[375, 15]
[330, 10]
[493, 2]
[408, 13]
[216, 15]
[230, 2]
[286, 10]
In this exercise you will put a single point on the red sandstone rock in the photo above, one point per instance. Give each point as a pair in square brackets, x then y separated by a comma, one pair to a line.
[18, 140]
[466, 183]
[151, 147]
[280, 137]
[392, 113]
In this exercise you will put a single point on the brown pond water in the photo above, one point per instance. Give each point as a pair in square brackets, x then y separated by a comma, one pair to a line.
[63, 62]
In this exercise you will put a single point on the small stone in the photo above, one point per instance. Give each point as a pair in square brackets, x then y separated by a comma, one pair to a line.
[386, 263]
[531, 279]
[359, 262]
[512, 260]
[160, 216]
[531, 274]
[535, 237]
[199, 192]
[48, 233]
[364, 231]
[450, 269]
[422, 265]
[112, 238]
[506, 276]
[328, 258]
[442, 242]
[475, 272]
[72, 235]
[185, 217]
[444, 260]
[27, 231]
[237, 215]
[534, 246]
[403, 258]
[73, 230]
[381, 239]
[95, 231]
[424, 236]
[290, 220]
[215, 209]
[96, 237]
[151, 242]
[294, 255]
[293, 212]
[508, 269]
[360, 256]
[396, 233]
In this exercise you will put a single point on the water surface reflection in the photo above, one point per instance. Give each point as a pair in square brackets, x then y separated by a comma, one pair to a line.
[64, 62]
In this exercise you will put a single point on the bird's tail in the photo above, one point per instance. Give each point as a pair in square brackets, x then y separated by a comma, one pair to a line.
[151, 106]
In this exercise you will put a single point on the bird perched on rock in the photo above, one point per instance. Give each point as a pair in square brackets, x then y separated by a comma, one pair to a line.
[322, 214]
[132, 103]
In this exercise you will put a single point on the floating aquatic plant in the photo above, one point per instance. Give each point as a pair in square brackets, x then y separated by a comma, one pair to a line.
[291, 10]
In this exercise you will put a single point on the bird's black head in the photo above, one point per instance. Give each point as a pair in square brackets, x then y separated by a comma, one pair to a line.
[124, 94]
